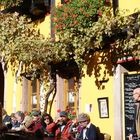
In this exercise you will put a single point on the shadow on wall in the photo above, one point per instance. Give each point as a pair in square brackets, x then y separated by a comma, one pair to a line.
[100, 65]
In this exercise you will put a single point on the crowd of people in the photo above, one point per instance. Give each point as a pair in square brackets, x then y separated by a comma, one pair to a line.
[43, 125]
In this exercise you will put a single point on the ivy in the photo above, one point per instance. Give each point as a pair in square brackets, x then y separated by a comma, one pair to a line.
[10, 3]
[115, 33]
[100, 31]
[20, 39]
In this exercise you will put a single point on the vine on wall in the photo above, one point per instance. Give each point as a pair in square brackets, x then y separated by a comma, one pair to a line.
[89, 29]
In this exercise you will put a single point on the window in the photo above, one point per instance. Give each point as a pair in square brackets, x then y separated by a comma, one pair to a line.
[34, 92]
[71, 94]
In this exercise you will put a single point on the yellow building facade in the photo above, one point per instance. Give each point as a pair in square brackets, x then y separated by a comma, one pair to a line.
[99, 95]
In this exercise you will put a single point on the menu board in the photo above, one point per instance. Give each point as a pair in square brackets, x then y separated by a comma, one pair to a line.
[131, 81]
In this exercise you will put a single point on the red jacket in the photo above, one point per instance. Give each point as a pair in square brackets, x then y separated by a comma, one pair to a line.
[35, 126]
[54, 128]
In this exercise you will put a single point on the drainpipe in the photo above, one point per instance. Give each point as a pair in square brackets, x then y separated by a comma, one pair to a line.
[115, 6]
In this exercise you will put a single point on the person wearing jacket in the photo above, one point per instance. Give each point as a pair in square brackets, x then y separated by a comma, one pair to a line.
[46, 120]
[89, 130]
[6, 119]
[61, 126]
[135, 131]
[35, 126]
[19, 115]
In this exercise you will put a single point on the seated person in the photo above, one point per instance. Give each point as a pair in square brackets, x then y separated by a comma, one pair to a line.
[61, 126]
[75, 128]
[89, 130]
[19, 115]
[46, 120]
[14, 121]
[6, 120]
[35, 127]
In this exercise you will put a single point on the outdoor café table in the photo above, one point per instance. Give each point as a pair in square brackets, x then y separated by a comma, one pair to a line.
[12, 135]
[15, 135]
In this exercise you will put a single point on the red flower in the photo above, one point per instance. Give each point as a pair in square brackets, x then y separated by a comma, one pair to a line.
[87, 15]
[73, 113]
[58, 110]
[60, 18]
[60, 26]
[56, 26]
[71, 25]
[65, 15]
[53, 19]
[59, 5]
[74, 15]
[81, 9]
[65, 0]
[107, 1]
[75, 22]
[99, 13]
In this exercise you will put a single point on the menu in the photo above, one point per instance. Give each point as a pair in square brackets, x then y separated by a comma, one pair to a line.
[131, 81]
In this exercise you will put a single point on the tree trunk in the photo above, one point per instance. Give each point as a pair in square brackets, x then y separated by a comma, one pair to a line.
[51, 89]
[52, 101]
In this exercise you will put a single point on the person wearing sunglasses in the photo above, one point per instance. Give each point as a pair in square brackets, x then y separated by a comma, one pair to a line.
[46, 120]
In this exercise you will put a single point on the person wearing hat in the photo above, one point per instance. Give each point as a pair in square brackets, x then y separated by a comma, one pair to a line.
[61, 126]
[35, 127]
[135, 131]
[89, 130]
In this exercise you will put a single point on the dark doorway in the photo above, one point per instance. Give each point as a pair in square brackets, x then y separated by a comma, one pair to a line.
[1, 85]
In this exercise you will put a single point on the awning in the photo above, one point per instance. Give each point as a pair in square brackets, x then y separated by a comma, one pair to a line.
[129, 63]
